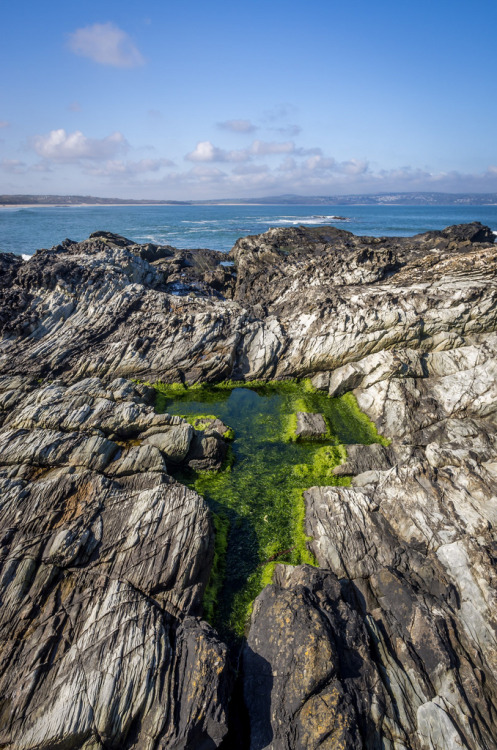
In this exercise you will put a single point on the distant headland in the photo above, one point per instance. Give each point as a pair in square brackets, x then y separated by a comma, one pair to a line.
[377, 199]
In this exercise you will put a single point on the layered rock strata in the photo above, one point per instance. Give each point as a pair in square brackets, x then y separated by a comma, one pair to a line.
[104, 560]
[392, 641]
[296, 302]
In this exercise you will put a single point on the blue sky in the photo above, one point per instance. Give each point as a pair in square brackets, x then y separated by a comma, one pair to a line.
[213, 100]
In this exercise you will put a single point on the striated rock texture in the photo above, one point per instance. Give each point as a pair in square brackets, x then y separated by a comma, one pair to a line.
[416, 536]
[297, 301]
[103, 563]
[391, 642]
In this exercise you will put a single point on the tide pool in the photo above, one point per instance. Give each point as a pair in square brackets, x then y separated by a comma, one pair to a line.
[257, 498]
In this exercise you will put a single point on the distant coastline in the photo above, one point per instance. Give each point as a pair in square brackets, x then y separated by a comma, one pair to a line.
[377, 199]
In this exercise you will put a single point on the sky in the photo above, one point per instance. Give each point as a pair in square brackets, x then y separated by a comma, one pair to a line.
[206, 100]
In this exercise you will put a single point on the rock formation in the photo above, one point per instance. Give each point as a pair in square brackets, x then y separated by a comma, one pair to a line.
[391, 642]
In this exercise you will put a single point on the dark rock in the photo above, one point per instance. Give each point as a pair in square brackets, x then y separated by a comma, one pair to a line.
[308, 676]
[207, 452]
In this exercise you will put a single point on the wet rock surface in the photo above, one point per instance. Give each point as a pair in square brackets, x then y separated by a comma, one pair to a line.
[391, 642]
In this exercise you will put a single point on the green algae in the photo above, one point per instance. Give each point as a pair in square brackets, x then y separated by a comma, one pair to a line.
[221, 527]
[257, 499]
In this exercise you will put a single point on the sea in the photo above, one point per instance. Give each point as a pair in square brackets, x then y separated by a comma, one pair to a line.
[25, 230]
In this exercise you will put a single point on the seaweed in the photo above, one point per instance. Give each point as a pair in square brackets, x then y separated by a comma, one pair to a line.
[259, 496]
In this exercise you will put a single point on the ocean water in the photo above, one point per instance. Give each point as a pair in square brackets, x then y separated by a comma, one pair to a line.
[25, 230]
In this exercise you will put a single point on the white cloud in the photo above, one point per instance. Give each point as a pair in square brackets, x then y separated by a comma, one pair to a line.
[114, 168]
[319, 162]
[72, 147]
[353, 167]
[237, 126]
[106, 44]
[205, 151]
[264, 148]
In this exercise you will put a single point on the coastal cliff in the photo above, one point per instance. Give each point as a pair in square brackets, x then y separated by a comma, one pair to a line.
[389, 640]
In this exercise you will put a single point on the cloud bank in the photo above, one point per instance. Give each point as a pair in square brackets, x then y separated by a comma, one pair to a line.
[72, 147]
[111, 165]
[205, 151]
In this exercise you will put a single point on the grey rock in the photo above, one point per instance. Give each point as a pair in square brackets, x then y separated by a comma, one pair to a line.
[363, 296]
[207, 452]
[209, 425]
[361, 458]
[104, 559]
[173, 442]
[415, 545]
[136, 459]
[310, 426]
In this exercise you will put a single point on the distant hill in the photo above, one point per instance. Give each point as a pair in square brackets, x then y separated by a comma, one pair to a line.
[377, 199]
[78, 200]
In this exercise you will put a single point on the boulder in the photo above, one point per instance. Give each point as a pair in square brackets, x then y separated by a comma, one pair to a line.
[310, 426]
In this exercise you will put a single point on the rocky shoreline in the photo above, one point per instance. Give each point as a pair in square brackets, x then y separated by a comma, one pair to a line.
[391, 641]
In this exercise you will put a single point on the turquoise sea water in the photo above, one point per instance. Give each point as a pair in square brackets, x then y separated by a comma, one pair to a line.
[24, 230]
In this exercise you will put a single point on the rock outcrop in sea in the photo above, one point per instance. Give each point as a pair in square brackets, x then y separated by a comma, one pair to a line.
[391, 640]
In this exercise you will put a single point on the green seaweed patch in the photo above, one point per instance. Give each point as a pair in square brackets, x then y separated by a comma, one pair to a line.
[289, 434]
[262, 491]
[319, 471]
[201, 421]
[268, 573]
[301, 554]
[303, 405]
[364, 430]
[221, 528]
